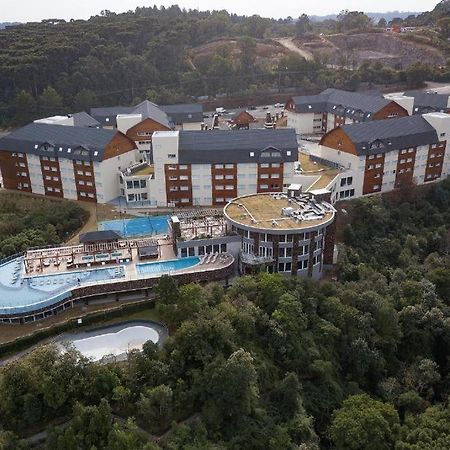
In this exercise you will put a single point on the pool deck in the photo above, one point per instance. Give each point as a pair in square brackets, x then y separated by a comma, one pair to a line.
[58, 273]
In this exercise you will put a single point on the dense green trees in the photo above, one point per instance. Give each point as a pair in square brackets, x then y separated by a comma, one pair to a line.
[57, 67]
[29, 222]
[273, 362]
[364, 423]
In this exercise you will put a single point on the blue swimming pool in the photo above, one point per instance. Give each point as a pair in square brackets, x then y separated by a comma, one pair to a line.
[20, 295]
[172, 265]
[139, 226]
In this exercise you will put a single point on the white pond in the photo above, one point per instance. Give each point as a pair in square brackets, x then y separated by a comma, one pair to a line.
[116, 341]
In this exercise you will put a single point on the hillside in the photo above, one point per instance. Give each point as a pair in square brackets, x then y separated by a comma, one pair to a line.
[267, 53]
[353, 49]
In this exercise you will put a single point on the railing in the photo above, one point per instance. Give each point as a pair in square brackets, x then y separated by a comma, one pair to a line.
[325, 162]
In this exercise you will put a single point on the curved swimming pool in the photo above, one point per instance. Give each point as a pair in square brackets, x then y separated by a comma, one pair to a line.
[21, 295]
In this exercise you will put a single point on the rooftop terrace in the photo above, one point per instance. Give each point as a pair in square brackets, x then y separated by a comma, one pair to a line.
[277, 211]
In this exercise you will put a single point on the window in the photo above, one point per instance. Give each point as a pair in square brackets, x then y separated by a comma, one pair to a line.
[275, 175]
[288, 153]
[184, 188]
[264, 186]
[131, 197]
[184, 200]
[57, 190]
[88, 174]
[129, 185]
[264, 165]
[264, 175]
[376, 187]
[218, 177]
[143, 183]
[252, 154]
[89, 183]
[219, 187]
[229, 177]
[55, 179]
[81, 183]
[229, 187]
[229, 166]
[218, 166]
[80, 172]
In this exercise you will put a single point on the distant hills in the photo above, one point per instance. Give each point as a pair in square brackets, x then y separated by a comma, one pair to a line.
[6, 24]
[375, 16]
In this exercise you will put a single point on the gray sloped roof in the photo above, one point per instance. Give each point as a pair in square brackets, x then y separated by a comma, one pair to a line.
[358, 105]
[391, 134]
[184, 112]
[428, 102]
[107, 116]
[149, 110]
[83, 119]
[62, 141]
[225, 146]
[152, 111]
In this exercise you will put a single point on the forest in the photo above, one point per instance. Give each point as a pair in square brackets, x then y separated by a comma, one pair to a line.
[31, 222]
[57, 67]
[356, 362]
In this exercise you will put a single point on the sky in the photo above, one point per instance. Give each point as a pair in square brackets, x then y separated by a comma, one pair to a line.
[36, 10]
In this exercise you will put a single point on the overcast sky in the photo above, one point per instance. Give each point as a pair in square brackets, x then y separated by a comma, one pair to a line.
[36, 10]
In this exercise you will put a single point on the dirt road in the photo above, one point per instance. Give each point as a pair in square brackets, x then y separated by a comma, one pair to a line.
[292, 46]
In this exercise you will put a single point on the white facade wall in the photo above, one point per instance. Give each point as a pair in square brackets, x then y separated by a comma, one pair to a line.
[441, 122]
[330, 121]
[201, 184]
[67, 178]
[165, 151]
[390, 171]
[303, 123]
[354, 167]
[247, 178]
[107, 175]
[127, 121]
[420, 164]
[34, 169]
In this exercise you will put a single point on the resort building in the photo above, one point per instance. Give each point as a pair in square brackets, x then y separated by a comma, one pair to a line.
[141, 121]
[318, 114]
[423, 102]
[202, 168]
[380, 156]
[290, 233]
[78, 163]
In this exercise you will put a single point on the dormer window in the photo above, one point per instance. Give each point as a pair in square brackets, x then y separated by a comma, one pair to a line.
[270, 153]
